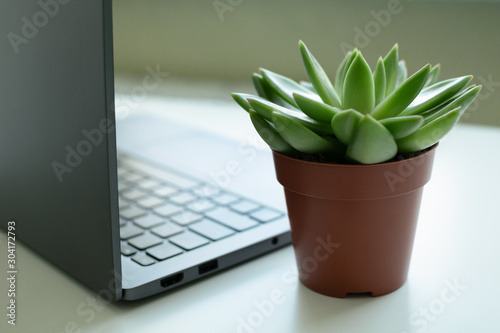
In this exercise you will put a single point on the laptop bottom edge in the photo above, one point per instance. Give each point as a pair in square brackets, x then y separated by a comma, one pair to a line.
[196, 272]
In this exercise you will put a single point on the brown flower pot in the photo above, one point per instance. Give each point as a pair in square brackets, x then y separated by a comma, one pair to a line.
[353, 226]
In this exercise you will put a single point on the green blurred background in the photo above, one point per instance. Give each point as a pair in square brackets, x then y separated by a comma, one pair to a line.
[211, 48]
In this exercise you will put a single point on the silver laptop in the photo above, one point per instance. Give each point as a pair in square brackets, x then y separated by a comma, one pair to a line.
[132, 207]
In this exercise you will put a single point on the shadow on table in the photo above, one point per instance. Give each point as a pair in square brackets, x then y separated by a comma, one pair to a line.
[355, 313]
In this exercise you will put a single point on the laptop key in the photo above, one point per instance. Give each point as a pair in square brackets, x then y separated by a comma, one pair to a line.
[164, 191]
[148, 221]
[132, 213]
[122, 186]
[206, 191]
[144, 241]
[132, 176]
[182, 198]
[130, 231]
[211, 229]
[121, 171]
[133, 194]
[244, 207]
[231, 219]
[225, 199]
[148, 184]
[122, 204]
[143, 259]
[200, 206]
[265, 215]
[128, 250]
[150, 202]
[188, 240]
[164, 251]
[186, 218]
[166, 230]
[167, 209]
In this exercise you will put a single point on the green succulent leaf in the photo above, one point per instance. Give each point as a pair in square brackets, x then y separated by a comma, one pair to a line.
[344, 124]
[264, 90]
[359, 89]
[371, 142]
[463, 101]
[400, 98]
[242, 100]
[379, 81]
[429, 134]
[269, 134]
[257, 81]
[283, 86]
[299, 136]
[265, 109]
[402, 73]
[391, 69]
[402, 126]
[433, 75]
[342, 70]
[364, 117]
[308, 86]
[318, 77]
[316, 110]
[436, 94]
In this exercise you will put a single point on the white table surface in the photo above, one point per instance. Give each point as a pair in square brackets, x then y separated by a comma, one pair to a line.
[457, 243]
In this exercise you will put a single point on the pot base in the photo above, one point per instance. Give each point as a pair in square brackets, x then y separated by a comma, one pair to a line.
[343, 293]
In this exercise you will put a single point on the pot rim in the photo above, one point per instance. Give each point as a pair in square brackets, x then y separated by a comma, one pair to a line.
[361, 166]
[353, 181]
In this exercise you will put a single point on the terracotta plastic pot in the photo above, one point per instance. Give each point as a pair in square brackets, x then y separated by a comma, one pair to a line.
[353, 226]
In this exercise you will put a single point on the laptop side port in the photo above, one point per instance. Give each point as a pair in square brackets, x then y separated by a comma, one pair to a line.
[172, 279]
[208, 266]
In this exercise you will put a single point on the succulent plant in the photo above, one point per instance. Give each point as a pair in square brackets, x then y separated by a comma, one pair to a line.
[363, 117]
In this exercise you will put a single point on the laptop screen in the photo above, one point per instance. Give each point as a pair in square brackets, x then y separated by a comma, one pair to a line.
[57, 140]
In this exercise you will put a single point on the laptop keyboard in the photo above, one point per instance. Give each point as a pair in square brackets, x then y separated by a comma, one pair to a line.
[164, 214]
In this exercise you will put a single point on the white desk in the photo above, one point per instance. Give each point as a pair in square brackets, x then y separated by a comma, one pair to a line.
[457, 242]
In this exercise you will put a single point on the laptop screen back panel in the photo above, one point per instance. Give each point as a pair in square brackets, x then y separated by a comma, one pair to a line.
[57, 140]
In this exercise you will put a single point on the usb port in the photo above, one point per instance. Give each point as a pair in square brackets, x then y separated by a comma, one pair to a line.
[173, 279]
[208, 266]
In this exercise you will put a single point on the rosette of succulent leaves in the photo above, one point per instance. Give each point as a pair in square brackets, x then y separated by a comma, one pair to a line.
[363, 117]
